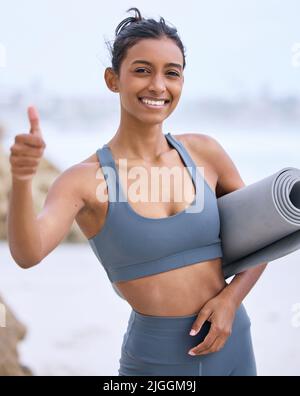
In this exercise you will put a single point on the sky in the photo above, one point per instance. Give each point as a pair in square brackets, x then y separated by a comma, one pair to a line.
[233, 48]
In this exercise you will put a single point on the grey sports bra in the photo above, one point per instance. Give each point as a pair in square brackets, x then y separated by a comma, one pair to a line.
[131, 246]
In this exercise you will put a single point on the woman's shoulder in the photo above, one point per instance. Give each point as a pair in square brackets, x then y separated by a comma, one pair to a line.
[206, 147]
[198, 142]
[194, 136]
[83, 167]
[81, 176]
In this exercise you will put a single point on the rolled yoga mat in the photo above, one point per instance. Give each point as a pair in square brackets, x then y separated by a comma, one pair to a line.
[260, 222]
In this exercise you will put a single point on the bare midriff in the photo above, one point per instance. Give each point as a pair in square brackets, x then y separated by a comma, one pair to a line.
[178, 292]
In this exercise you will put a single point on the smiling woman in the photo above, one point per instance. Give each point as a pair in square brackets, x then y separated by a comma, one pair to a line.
[163, 258]
[153, 262]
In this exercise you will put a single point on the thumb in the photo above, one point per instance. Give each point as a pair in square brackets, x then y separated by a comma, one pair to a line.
[34, 120]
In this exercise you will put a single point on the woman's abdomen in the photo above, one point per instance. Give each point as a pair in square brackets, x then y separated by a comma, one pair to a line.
[182, 291]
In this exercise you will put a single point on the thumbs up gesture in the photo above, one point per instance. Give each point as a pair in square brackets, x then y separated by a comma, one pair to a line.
[28, 149]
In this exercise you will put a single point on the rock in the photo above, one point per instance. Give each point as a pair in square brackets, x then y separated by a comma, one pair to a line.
[10, 336]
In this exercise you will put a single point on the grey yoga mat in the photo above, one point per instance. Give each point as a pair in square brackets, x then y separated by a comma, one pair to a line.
[261, 221]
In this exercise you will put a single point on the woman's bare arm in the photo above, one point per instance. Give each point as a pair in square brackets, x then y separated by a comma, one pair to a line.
[31, 237]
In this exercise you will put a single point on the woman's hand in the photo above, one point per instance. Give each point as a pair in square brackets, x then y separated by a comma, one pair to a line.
[220, 311]
[27, 150]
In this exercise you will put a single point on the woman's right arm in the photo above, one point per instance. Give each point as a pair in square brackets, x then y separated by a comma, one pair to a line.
[31, 237]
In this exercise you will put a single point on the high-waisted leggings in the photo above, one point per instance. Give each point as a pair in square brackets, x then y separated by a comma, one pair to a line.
[159, 345]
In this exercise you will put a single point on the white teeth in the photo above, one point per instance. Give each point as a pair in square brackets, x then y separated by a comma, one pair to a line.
[153, 102]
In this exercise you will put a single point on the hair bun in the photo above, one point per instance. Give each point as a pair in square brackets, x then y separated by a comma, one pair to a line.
[127, 21]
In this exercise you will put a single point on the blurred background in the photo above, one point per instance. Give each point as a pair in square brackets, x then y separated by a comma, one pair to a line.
[242, 86]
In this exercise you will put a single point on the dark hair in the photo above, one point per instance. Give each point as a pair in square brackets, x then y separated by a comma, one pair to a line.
[133, 29]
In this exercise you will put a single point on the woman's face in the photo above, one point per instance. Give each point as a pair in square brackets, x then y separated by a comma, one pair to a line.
[153, 70]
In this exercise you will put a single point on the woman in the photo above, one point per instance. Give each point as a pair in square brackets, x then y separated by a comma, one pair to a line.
[163, 258]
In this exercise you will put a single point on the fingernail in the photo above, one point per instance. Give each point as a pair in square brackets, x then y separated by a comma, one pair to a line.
[192, 353]
[193, 332]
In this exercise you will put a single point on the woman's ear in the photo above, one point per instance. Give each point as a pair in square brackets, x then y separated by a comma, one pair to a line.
[111, 79]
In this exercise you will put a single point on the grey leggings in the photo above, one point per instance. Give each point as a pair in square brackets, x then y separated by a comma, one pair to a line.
[159, 345]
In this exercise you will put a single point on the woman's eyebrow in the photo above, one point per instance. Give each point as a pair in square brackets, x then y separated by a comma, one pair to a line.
[150, 64]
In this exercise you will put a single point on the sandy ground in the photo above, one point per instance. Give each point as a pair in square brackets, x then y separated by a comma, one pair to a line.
[76, 321]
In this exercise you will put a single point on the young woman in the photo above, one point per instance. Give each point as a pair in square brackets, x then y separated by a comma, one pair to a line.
[162, 257]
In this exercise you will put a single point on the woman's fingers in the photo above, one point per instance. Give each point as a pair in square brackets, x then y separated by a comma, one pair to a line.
[202, 317]
[210, 338]
[214, 341]
[29, 139]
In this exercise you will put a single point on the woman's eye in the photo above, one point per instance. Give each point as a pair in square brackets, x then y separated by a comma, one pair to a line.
[142, 69]
[174, 74]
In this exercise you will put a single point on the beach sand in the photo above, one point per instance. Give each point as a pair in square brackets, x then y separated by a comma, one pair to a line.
[76, 322]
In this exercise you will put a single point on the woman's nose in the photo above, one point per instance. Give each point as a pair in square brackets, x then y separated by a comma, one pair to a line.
[157, 84]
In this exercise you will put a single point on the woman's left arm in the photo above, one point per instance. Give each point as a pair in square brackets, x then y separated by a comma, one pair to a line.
[220, 310]
[241, 284]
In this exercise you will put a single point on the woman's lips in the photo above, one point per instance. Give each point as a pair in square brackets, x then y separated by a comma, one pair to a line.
[149, 106]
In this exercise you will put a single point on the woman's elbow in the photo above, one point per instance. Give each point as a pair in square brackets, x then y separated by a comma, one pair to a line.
[25, 263]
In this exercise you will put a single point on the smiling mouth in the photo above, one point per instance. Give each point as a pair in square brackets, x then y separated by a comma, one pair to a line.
[155, 103]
